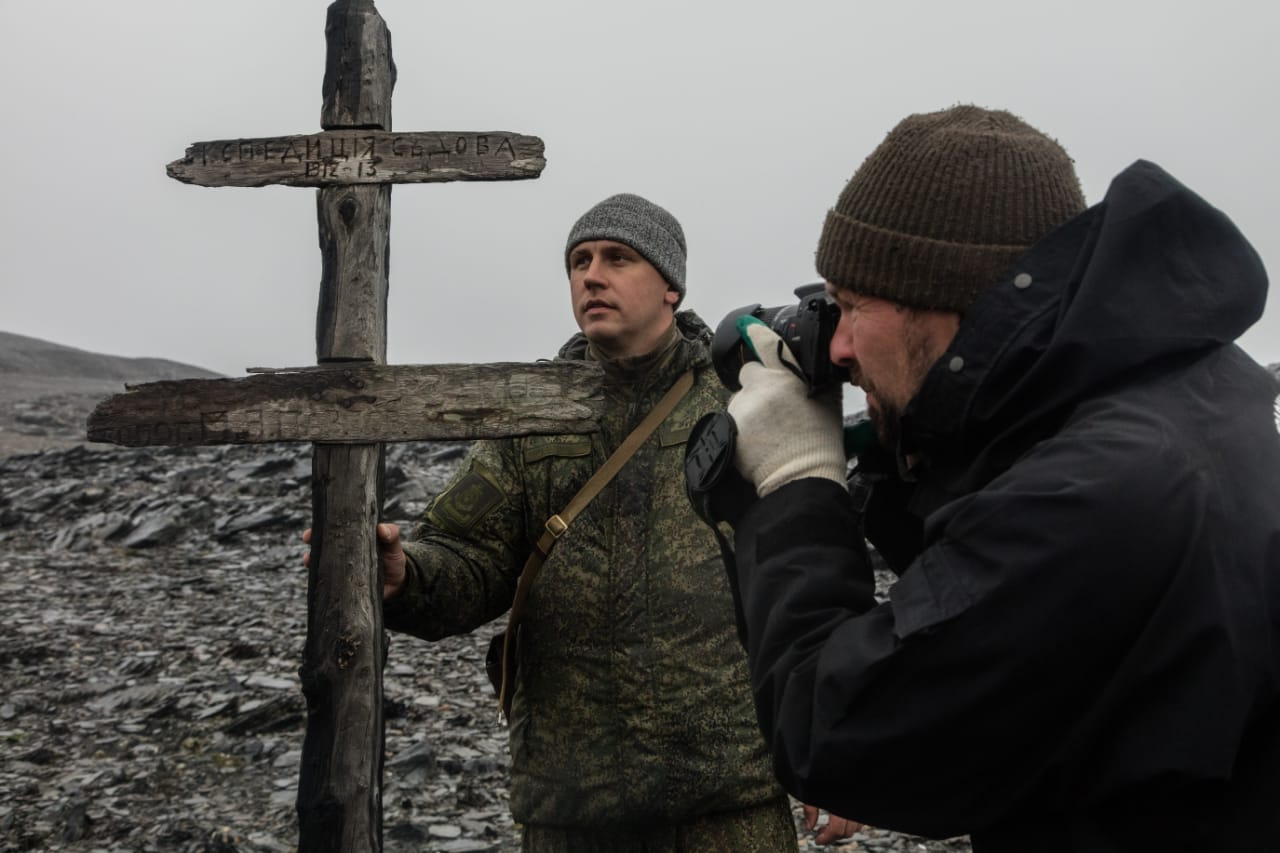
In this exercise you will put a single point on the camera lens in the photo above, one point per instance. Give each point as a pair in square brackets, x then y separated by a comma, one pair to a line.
[806, 327]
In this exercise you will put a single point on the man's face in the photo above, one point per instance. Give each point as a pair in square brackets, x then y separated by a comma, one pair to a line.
[887, 349]
[621, 302]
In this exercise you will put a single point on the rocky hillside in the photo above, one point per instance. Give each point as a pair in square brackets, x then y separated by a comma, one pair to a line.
[154, 614]
[153, 608]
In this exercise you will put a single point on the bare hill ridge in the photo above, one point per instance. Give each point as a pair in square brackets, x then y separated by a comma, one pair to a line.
[33, 357]
[47, 390]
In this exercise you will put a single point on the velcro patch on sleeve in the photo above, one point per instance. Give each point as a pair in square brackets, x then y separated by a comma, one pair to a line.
[464, 503]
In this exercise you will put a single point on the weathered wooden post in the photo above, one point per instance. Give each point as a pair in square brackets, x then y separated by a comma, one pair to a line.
[340, 786]
[352, 401]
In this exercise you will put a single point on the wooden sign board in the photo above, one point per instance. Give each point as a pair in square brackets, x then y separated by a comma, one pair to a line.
[361, 157]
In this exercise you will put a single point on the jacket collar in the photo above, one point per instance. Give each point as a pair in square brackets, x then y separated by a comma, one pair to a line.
[687, 347]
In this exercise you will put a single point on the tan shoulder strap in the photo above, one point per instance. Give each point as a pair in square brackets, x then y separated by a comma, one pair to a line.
[557, 524]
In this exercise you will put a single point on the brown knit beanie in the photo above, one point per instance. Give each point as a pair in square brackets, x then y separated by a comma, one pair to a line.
[942, 208]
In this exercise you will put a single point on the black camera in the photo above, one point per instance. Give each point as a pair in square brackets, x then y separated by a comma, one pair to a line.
[805, 327]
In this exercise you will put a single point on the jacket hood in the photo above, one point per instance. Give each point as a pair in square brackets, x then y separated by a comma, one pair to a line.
[1151, 275]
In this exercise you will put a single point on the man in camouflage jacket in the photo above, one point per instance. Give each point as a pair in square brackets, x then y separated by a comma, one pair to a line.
[631, 725]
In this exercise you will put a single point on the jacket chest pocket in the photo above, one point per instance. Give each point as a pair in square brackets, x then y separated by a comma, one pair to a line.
[556, 467]
[675, 429]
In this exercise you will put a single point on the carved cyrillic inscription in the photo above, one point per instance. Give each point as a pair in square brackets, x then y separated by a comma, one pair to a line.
[361, 157]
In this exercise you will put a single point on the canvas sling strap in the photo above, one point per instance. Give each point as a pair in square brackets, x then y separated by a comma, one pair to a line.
[556, 525]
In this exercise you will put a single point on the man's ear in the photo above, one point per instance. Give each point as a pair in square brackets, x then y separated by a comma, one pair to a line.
[671, 297]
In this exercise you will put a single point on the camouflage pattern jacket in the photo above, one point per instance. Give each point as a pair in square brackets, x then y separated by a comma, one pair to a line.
[632, 703]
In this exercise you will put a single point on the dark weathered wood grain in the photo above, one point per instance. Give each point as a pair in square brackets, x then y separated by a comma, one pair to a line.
[340, 783]
[339, 799]
[361, 156]
[359, 71]
[356, 402]
[355, 227]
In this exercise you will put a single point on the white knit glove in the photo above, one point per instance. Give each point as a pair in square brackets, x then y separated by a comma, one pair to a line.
[783, 434]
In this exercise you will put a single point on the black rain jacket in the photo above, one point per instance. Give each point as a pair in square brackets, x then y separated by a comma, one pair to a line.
[1082, 651]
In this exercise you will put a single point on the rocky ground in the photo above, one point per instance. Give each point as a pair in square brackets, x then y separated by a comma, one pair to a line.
[152, 628]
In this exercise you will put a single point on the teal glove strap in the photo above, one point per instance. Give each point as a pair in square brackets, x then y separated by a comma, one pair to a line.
[745, 322]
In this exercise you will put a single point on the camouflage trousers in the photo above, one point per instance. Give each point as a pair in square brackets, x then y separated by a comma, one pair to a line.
[766, 828]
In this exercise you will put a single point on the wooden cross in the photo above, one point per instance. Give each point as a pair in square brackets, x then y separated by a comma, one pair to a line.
[353, 400]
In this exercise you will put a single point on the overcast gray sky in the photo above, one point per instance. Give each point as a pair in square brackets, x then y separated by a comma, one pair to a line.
[744, 119]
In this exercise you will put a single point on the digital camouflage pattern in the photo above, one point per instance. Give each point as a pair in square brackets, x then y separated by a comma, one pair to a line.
[632, 703]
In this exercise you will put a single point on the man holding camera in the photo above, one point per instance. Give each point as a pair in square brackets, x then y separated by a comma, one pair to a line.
[1076, 482]
[631, 722]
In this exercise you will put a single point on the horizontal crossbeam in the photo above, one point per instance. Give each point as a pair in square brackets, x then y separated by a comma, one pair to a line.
[357, 403]
[359, 156]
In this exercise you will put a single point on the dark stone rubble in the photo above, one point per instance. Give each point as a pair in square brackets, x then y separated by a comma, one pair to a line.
[154, 617]
[152, 629]
[153, 624]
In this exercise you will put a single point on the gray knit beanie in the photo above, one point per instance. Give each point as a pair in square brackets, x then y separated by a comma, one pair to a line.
[642, 225]
[944, 206]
